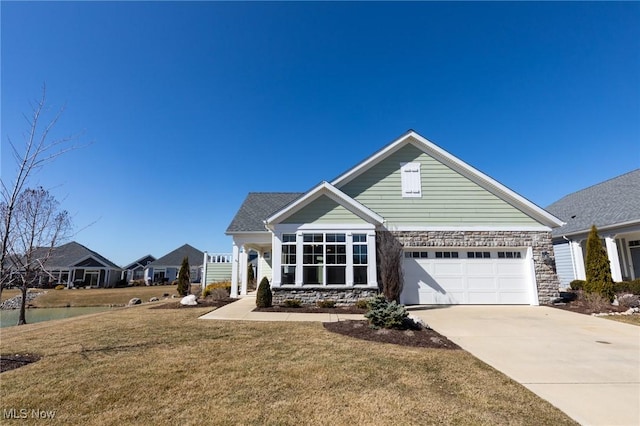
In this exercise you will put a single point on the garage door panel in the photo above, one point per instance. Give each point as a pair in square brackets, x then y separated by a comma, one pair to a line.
[513, 267]
[513, 298]
[481, 283]
[479, 267]
[483, 298]
[447, 267]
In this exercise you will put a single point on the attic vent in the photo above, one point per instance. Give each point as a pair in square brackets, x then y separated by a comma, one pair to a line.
[411, 181]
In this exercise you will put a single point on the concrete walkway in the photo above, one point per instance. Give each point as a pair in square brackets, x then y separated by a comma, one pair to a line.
[242, 310]
[588, 367]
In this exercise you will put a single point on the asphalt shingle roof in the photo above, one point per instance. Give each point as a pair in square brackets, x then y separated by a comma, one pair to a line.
[71, 253]
[611, 202]
[257, 207]
[175, 257]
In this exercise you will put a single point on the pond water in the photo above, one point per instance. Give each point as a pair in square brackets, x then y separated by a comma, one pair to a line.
[10, 317]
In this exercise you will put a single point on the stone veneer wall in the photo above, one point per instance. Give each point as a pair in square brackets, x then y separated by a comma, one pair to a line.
[309, 296]
[539, 241]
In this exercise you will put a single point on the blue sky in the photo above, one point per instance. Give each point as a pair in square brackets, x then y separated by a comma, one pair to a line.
[189, 106]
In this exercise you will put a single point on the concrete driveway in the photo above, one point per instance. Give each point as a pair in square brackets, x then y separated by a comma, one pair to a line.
[586, 366]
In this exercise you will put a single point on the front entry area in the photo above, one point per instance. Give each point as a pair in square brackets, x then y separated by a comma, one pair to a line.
[466, 276]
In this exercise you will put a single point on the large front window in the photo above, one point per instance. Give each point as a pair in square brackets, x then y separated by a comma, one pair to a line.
[325, 259]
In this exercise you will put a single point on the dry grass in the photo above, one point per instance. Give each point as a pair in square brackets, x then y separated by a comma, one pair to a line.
[101, 296]
[145, 366]
[628, 319]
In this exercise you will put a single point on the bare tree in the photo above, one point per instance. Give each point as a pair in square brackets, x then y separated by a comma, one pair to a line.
[38, 150]
[390, 254]
[39, 225]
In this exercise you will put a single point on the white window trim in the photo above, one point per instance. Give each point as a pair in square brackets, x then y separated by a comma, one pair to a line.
[411, 179]
[288, 229]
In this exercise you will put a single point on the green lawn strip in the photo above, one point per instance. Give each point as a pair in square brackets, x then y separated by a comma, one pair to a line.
[628, 319]
[167, 367]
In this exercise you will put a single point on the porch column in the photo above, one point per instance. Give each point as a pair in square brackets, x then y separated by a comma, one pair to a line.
[578, 261]
[614, 259]
[243, 270]
[203, 279]
[234, 271]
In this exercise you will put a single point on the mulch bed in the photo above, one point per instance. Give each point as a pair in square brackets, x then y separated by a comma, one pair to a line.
[360, 329]
[11, 362]
[314, 310]
[202, 303]
[575, 302]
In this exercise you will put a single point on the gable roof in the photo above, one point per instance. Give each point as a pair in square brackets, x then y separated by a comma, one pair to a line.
[257, 207]
[175, 257]
[73, 253]
[326, 189]
[612, 202]
[142, 262]
[431, 149]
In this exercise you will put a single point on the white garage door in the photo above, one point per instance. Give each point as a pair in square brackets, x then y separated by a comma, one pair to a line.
[457, 276]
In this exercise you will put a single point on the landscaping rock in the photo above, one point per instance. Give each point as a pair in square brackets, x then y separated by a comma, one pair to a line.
[15, 302]
[189, 300]
[630, 300]
[135, 301]
[153, 299]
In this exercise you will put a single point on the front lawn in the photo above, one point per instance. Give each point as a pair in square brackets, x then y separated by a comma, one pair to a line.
[628, 319]
[164, 366]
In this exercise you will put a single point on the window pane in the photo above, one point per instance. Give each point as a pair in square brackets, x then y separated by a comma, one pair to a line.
[336, 275]
[288, 238]
[359, 238]
[360, 275]
[288, 275]
[312, 274]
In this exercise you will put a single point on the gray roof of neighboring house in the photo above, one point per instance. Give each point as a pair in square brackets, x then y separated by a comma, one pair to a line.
[257, 207]
[142, 262]
[175, 257]
[71, 253]
[615, 201]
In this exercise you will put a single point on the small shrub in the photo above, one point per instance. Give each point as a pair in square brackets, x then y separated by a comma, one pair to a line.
[59, 287]
[577, 285]
[138, 283]
[362, 304]
[597, 302]
[292, 303]
[264, 297]
[326, 303]
[385, 314]
[632, 287]
[224, 285]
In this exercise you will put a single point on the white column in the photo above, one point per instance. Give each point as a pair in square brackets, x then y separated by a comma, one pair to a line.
[578, 261]
[243, 270]
[203, 278]
[533, 288]
[371, 258]
[234, 271]
[614, 259]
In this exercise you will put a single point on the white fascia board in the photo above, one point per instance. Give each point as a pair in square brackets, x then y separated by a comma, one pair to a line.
[325, 188]
[480, 228]
[458, 165]
[89, 256]
[621, 225]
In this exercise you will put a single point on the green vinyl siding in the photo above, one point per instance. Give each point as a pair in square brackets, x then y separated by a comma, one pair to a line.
[448, 198]
[217, 272]
[324, 210]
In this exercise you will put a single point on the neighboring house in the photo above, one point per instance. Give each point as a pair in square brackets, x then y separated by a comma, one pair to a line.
[135, 271]
[613, 207]
[166, 268]
[467, 238]
[73, 264]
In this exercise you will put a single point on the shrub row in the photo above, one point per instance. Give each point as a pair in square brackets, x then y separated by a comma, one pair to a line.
[619, 287]
[217, 288]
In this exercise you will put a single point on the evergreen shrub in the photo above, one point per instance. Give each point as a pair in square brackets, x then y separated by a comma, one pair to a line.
[264, 297]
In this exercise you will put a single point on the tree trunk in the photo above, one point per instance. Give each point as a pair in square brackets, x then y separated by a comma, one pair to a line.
[23, 304]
